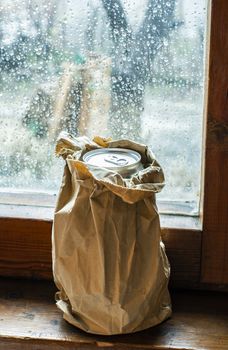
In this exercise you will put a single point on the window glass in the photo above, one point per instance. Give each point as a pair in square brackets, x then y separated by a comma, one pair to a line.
[119, 68]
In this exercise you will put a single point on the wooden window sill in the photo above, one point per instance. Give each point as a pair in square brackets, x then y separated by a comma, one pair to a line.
[29, 319]
[25, 244]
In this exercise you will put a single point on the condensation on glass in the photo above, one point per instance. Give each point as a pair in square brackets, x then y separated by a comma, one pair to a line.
[119, 68]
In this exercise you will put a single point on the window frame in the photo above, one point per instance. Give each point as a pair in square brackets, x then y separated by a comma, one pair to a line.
[214, 261]
[197, 259]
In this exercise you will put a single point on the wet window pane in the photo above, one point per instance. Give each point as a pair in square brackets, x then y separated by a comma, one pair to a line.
[119, 68]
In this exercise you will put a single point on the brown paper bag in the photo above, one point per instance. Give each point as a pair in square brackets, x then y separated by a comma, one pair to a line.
[109, 263]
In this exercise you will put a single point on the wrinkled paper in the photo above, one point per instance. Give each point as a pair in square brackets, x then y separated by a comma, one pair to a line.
[109, 262]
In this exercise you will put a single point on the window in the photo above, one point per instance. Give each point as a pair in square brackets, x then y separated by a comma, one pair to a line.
[197, 256]
[117, 68]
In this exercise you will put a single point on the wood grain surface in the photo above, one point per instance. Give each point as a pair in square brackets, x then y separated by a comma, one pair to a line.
[29, 319]
[215, 226]
[25, 248]
[25, 251]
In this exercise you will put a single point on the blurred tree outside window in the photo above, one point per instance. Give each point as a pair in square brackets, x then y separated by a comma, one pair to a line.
[119, 68]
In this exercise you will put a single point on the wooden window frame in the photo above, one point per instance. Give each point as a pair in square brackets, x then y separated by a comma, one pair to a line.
[197, 255]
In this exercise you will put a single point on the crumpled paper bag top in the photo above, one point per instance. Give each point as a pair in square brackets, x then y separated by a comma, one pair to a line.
[143, 184]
